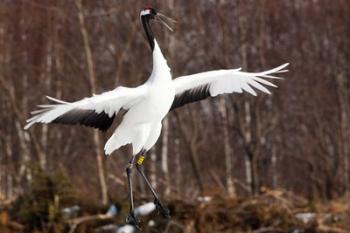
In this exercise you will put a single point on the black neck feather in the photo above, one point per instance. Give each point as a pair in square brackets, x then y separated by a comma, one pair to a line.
[148, 30]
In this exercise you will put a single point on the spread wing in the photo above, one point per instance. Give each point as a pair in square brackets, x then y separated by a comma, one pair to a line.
[199, 86]
[97, 111]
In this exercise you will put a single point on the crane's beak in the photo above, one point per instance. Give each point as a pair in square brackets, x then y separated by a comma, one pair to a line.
[162, 19]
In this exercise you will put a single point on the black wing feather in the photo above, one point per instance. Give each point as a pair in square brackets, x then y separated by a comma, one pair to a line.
[86, 117]
[192, 95]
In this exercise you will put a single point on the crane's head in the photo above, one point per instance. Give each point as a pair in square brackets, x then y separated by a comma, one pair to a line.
[149, 13]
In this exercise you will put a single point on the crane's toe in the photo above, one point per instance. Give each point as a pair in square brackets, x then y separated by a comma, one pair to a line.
[161, 209]
[132, 220]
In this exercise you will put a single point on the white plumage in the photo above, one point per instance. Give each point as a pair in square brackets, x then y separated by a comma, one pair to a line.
[109, 102]
[229, 81]
[149, 103]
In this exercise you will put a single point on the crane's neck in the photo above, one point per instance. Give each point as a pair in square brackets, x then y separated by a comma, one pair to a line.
[161, 70]
[148, 30]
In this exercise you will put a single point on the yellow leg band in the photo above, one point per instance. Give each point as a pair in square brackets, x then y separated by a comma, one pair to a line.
[140, 160]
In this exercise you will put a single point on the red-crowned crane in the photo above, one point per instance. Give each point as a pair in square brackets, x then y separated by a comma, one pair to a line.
[149, 103]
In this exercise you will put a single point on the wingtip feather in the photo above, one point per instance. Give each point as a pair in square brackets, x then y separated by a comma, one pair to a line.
[27, 126]
[56, 100]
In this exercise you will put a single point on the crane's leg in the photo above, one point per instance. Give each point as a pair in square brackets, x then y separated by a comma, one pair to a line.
[131, 219]
[140, 168]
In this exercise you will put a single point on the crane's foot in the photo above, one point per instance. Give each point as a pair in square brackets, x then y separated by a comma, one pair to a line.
[132, 220]
[160, 209]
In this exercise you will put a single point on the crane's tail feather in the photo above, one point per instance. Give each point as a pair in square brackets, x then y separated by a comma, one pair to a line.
[137, 135]
[117, 140]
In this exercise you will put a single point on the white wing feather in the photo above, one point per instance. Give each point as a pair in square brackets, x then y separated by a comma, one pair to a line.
[228, 81]
[108, 102]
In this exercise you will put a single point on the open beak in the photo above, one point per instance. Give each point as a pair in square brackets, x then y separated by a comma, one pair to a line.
[162, 19]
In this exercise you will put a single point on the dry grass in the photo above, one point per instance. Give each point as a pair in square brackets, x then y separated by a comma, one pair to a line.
[272, 211]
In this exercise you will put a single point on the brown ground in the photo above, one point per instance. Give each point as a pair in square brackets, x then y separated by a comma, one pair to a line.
[271, 211]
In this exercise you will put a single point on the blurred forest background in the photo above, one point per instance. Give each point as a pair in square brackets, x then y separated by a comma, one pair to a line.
[297, 139]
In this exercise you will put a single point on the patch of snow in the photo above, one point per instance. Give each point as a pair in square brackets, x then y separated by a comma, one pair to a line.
[145, 209]
[151, 223]
[112, 211]
[297, 231]
[107, 228]
[205, 199]
[305, 217]
[126, 229]
[70, 212]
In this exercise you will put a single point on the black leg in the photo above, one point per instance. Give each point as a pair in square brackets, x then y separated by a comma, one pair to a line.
[131, 219]
[140, 168]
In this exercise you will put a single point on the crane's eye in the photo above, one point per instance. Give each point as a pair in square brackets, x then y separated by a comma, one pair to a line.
[153, 11]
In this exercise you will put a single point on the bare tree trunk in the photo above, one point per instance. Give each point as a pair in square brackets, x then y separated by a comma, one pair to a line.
[248, 172]
[165, 128]
[195, 164]
[178, 166]
[343, 98]
[9, 193]
[153, 167]
[248, 157]
[227, 149]
[48, 79]
[4, 167]
[164, 153]
[247, 129]
[274, 167]
[93, 87]
[23, 138]
[191, 141]
[225, 119]
[100, 167]
[7, 171]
